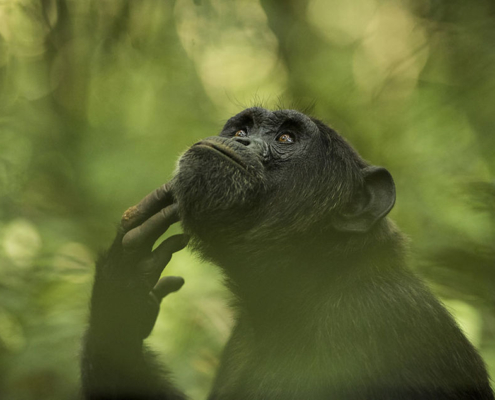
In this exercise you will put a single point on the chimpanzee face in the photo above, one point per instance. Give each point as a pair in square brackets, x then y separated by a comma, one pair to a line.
[259, 167]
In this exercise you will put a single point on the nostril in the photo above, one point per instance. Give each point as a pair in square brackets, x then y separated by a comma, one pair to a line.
[243, 140]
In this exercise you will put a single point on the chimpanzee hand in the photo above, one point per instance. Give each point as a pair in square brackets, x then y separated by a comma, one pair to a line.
[127, 290]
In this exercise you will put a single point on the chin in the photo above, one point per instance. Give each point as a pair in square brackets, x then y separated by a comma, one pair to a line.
[216, 195]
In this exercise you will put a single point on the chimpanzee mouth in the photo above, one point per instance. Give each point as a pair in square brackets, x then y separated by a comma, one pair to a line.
[224, 151]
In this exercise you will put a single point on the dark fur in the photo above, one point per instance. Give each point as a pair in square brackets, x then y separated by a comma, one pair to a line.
[326, 309]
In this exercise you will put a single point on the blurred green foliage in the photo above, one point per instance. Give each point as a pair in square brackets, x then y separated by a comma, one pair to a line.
[98, 99]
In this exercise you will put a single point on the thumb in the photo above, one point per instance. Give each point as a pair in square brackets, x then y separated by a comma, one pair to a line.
[167, 285]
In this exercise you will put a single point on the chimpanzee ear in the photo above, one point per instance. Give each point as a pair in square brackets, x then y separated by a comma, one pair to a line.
[371, 205]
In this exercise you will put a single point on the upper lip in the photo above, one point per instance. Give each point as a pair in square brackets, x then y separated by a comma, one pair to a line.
[224, 150]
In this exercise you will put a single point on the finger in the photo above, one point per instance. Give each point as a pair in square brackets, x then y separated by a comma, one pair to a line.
[150, 205]
[152, 266]
[167, 285]
[163, 253]
[150, 230]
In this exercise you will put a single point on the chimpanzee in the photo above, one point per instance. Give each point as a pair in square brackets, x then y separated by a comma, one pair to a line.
[326, 305]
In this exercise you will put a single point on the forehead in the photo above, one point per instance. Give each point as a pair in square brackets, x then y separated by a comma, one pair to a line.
[259, 117]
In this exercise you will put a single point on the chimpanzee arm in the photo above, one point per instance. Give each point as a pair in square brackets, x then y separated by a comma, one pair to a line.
[125, 303]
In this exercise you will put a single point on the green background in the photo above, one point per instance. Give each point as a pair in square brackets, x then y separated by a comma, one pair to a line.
[99, 98]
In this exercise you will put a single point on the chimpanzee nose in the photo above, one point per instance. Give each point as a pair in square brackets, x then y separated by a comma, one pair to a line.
[243, 140]
[254, 144]
[251, 142]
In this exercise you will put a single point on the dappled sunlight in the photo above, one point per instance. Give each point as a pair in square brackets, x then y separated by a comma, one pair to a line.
[21, 242]
[235, 52]
[393, 52]
[342, 22]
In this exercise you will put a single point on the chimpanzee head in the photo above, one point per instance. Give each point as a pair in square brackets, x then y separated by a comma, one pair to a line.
[275, 173]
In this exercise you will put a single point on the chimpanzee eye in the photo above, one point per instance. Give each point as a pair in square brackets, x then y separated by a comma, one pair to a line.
[241, 133]
[285, 138]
